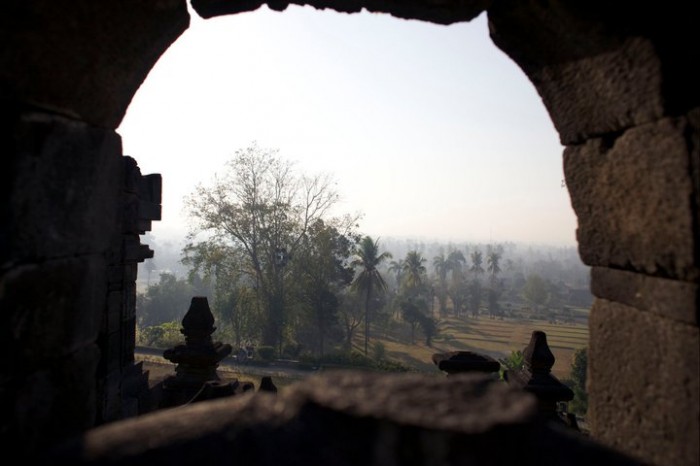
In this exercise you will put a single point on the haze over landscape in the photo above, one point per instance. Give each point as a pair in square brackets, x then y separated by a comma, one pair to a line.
[432, 135]
[430, 131]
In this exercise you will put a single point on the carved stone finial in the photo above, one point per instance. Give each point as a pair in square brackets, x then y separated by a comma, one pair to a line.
[267, 385]
[537, 355]
[198, 359]
[536, 376]
[198, 323]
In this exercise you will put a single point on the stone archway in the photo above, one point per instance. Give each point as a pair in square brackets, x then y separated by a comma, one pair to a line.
[617, 83]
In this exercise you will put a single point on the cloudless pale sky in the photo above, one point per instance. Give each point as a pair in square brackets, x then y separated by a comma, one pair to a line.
[430, 131]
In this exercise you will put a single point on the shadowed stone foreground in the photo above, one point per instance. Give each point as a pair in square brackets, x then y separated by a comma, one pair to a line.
[347, 418]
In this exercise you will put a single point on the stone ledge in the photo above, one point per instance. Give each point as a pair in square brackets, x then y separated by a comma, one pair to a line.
[598, 70]
[62, 185]
[672, 299]
[51, 309]
[644, 384]
[347, 419]
[634, 197]
[55, 401]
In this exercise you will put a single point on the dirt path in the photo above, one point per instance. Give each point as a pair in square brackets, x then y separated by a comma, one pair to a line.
[281, 372]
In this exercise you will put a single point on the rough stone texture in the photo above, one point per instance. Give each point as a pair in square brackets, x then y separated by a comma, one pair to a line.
[61, 181]
[436, 11]
[119, 379]
[82, 58]
[50, 310]
[672, 299]
[643, 383]
[56, 401]
[347, 418]
[635, 199]
[601, 68]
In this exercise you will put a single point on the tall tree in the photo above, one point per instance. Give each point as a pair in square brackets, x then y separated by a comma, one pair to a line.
[322, 272]
[579, 368]
[493, 259]
[235, 304]
[414, 270]
[457, 287]
[351, 315]
[369, 279]
[475, 296]
[396, 267]
[262, 208]
[168, 300]
[477, 263]
[535, 291]
[441, 267]
[493, 264]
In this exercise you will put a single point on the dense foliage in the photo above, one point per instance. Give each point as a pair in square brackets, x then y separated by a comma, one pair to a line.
[577, 382]
[286, 277]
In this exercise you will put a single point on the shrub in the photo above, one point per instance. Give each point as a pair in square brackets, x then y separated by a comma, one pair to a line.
[292, 350]
[358, 360]
[515, 361]
[579, 368]
[166, 335]
[266, 353]
[378, 351]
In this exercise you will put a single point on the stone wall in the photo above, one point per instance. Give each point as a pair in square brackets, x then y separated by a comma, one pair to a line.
[349, 418]
[617, 86]
[618, 83]
[73, 211]
[62, 181]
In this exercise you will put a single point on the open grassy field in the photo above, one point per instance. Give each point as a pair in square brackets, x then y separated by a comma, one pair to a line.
[494, 337]
[484, 335]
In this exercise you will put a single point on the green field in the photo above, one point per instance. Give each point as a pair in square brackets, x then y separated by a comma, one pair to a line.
[484, 335]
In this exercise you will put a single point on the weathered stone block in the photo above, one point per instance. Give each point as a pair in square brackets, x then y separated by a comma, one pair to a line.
[129, 301]
[85, 59]
[111, 346]
[130, 213]
[115, 277]
[151, 188]
[134, 251]
[115, 311]
[149, 210]
[53, 402]
[349, 419]
[110, 409]
[62, 182]
[672, 299]
[128, 341]
[644, 384]
[634, 198]
[600, 73]
[50, 309]
[130, 273]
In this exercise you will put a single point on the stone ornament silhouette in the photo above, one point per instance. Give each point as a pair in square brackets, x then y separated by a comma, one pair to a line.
[196, 375]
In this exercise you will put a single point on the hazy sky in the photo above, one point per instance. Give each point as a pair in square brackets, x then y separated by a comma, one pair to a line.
[430, 131]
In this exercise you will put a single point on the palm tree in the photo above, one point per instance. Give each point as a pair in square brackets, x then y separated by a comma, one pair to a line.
[415, 270]
[477, 261]
[367, 257]
[492, 261]
[396, 267]
[441, 267]
[455, 262]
